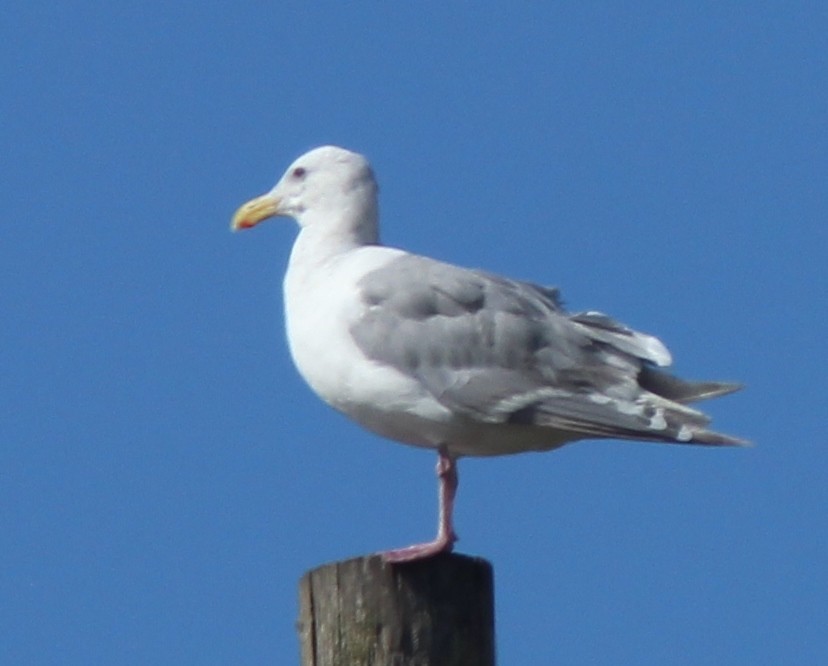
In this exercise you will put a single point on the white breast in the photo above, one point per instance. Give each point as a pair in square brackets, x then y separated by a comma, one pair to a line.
[321, 303]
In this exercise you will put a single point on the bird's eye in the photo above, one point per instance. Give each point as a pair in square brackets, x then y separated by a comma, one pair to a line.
[299, 172]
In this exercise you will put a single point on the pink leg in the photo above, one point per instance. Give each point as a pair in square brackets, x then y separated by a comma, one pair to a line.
[447, 479]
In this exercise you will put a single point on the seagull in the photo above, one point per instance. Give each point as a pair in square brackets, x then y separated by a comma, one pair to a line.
[461, 361]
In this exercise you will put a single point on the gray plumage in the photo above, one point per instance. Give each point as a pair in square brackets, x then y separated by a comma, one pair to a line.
[500, 351]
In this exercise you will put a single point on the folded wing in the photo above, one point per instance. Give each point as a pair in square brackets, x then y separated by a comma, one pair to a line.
[502, 351]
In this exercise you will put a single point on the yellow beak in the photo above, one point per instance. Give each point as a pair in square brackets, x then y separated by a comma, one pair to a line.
[254, 211]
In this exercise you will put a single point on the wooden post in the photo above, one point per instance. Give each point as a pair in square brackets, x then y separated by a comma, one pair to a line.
[365, 612]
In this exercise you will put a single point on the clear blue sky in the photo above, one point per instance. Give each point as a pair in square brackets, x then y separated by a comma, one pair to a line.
[165, 475]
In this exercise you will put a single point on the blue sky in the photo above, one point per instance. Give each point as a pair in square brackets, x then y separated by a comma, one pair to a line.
[166, 477]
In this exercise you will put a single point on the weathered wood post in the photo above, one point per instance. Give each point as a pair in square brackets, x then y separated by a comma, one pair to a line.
[365, 612]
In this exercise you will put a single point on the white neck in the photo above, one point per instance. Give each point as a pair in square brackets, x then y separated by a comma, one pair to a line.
[324, 235]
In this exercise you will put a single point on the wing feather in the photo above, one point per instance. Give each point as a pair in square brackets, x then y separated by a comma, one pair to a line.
[502, 351]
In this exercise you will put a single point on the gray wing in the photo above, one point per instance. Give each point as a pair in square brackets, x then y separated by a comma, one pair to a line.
[501, 351]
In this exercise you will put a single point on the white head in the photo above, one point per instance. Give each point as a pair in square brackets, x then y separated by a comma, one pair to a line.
[328, 186]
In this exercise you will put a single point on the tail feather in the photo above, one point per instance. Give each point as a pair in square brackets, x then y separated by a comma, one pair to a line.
[679, 390]
[711, 438]
[686, 424]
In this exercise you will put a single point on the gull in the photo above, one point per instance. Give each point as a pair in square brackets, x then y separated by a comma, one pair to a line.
[462, 361]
